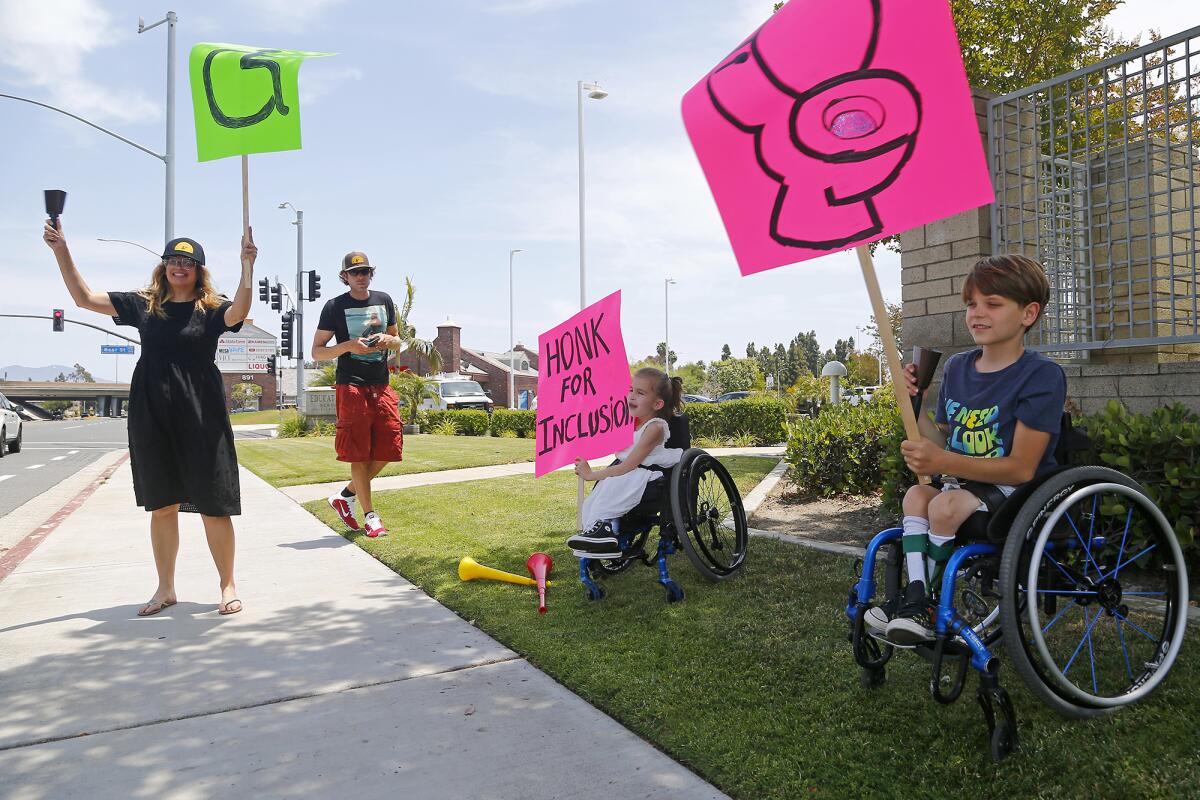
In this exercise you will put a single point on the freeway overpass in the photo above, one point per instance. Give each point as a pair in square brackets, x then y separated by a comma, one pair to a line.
[109, 397]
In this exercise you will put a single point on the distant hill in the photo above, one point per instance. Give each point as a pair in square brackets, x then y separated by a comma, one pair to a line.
[16, 372]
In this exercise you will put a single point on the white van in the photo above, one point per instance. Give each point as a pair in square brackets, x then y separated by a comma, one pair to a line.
[11, 428]
[456, 392]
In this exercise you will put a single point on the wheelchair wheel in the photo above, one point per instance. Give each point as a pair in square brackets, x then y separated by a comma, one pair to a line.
[709, 518]
[1094, 592]
[615, 566]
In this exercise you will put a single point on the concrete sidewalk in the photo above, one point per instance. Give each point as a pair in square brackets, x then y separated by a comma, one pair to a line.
[339, 679]
[319, 491]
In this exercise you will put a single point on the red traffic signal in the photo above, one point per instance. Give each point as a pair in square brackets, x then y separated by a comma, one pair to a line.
[60, 320]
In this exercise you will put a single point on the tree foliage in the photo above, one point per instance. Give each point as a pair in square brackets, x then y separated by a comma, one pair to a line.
[735, 375]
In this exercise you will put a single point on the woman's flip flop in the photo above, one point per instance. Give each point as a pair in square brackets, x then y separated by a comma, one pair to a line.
[224, 608]
[154, 606]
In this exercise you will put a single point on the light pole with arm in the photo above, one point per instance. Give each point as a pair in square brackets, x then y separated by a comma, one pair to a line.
[667, 325]
[298, 330]
[594, 92]
[511, 340]
[167, 158]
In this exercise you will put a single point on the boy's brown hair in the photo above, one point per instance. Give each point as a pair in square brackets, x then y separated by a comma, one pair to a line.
[1013, 276]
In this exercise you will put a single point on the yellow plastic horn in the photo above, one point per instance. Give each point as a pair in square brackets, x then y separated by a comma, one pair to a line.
[469, 570]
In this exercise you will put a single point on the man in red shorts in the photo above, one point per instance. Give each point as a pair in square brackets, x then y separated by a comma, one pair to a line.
[369, 431]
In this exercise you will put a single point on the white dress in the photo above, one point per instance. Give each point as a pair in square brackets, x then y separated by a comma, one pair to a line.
[614, 497]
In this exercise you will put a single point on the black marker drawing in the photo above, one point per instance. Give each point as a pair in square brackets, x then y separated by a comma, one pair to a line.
[248, 61]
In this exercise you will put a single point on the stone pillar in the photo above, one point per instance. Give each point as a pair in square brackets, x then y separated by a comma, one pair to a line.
[449, 345]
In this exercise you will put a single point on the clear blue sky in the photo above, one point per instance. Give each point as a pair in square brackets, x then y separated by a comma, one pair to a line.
[441, 136]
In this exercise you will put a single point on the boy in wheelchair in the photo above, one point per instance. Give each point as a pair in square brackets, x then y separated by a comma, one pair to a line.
[1000, 408]
[653, 400]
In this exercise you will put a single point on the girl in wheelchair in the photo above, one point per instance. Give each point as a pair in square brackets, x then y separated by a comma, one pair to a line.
[1000, 408]
[653, 399]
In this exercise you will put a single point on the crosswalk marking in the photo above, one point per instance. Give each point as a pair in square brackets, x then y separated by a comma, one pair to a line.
[72, 452]
[35, 466]
[5, 477]
[58, 458]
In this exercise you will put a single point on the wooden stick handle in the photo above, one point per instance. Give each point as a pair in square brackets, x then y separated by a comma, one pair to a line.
[579, 505]
[245, 197]
[895, 366]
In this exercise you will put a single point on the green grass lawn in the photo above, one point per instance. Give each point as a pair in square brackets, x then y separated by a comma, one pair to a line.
[292, 462]
[751, 682]
[261, 417]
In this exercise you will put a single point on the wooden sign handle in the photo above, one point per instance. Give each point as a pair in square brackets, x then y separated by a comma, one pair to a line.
[895, 366]
[245, 197]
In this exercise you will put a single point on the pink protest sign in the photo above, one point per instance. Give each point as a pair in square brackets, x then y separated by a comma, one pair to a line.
[583, 383]
[838, 122]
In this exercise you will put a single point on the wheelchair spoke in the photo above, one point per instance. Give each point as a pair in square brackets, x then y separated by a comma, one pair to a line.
[1073, 592]
[1087, 546]
[1086, 636]
[1124, 649]
[1127, 621]
[1125, 535]
[1092, 656]
[1061, 568]
[1117, 571]
[1059, 615]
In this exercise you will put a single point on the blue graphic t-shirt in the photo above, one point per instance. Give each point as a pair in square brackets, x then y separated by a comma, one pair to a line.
[982, 408]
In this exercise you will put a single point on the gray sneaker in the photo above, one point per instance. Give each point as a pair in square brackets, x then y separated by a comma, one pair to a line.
[914, 621]
[876, 620]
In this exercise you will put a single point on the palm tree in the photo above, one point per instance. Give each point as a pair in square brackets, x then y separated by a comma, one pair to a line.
[407, 333]
[412, 389]
[327, 375]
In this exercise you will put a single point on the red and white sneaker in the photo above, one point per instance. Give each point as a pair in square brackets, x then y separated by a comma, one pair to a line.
[344, 506]
[374, 526]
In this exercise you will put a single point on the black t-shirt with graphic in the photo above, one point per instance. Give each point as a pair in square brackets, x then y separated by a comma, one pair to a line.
[982, 408]
[355, 319]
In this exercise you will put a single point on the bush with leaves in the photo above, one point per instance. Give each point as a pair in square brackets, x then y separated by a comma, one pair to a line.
[762, 419]
[445, 427]
[468, 422]
[292, 427]
[842, 450]
[518, 422]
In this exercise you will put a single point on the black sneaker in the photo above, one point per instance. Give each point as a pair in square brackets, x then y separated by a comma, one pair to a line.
[597, 542]
[913, 623]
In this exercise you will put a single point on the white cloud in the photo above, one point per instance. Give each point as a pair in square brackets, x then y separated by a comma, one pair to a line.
[45, 45]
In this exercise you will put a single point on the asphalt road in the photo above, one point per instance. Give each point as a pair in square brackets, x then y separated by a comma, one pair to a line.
[55, 450]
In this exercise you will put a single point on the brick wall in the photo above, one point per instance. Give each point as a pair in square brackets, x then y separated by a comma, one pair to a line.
[934, 262]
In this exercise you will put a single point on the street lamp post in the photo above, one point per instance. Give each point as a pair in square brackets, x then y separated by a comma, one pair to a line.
[667, 325]
[511, 335]
[298, 330]
[594, 92]
[168, 158]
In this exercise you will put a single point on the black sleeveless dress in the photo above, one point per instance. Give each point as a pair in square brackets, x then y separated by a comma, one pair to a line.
[180, 442]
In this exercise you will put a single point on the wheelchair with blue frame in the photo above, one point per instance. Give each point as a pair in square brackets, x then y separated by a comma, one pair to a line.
[1079, 574]
[695, 506]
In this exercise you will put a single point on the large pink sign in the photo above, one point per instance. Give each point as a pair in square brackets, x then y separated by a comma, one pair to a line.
[583, 385]
[838, 122]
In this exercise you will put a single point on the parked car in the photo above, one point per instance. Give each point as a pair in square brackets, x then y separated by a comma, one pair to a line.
[11, 428]
[456, 392]
[860, 394]
[697, 398]
[733, 396]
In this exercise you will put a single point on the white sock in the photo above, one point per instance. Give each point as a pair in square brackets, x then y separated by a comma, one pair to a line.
[914, 557]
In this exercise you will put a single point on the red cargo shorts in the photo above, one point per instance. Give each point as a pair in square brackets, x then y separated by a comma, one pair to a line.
[368, 424]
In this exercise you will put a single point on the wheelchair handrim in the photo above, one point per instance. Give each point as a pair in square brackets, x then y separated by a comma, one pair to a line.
[1152, 677]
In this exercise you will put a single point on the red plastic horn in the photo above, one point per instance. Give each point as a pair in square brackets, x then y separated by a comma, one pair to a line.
[539, 566]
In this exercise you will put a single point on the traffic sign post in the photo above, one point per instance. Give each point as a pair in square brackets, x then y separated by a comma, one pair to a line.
[116, 349]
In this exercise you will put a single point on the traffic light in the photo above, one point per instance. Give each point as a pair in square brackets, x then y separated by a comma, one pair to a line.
[314, 285]
[270, 365]
[263, 289]
[285, 335]
[276, 298]
[60, 321]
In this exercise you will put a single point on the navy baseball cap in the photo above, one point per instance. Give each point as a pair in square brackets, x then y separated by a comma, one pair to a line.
[185, 247]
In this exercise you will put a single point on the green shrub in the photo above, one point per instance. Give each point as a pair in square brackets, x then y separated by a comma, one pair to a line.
[842, 450]
[507, 435]
[742, 439]
[445, 427]
[703, 420]
[292, 427]
[471, 422]
[762, 418]
[519, 423]
[1159, 450]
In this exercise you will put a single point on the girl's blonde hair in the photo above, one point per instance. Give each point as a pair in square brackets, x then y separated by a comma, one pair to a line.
[669, 390]
[159, 290]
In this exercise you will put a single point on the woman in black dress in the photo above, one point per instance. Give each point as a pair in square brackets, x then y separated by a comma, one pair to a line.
[180, 442]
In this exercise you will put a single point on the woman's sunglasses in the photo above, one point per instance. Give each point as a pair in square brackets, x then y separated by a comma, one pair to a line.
[180, 261]
[359, 272]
